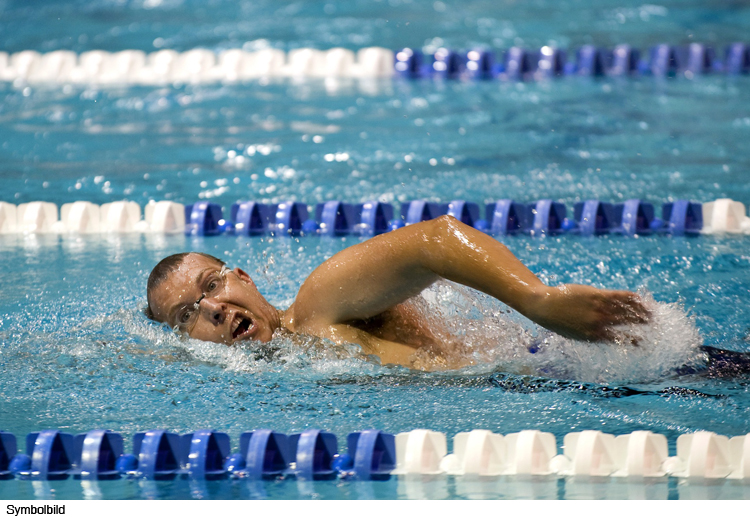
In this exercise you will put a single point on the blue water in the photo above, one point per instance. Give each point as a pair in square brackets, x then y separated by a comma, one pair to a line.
[77, 354]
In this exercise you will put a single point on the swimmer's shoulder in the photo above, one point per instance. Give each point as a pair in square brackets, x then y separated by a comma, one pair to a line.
[389, 352]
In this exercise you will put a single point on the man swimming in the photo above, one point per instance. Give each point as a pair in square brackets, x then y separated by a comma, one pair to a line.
[358, 295]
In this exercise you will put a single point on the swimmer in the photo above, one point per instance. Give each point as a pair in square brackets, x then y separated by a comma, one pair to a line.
[358, 295]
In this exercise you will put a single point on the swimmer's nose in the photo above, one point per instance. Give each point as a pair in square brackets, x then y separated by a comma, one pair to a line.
[214, 310]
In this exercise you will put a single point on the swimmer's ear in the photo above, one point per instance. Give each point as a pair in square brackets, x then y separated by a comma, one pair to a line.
[244, 277]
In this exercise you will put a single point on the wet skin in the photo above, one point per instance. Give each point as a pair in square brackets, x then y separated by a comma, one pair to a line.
[356, 296]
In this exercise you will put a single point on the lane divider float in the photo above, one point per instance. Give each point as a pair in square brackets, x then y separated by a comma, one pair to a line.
[337, 219]
[371, 455]
[195, 66]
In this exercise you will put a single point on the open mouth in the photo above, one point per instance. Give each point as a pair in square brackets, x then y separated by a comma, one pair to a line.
[242, 328]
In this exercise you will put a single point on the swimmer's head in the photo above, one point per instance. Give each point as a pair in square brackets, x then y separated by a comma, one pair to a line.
[197, 295]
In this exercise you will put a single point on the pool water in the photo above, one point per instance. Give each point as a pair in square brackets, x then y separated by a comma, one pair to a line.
[77, 354]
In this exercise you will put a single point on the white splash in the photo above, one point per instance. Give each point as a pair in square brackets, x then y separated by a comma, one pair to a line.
[498, 338]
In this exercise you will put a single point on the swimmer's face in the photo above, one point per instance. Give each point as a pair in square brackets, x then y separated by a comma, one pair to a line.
[231, 308]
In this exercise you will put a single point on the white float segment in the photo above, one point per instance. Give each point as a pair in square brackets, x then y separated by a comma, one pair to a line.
[640, 453]
[375, 62]
[53, 67]
[194, 66]
[530, 452]
[123, 67]
[234, 65]
[725, 216]
[269, 62]
[158, 67]
[479, 453]
[21, 63]
[305, 62]
[339, 62]
[8, 218]
[165, 217]
[590, 453]
[120, 217]
[420, 452]
[739, 457]
[80, 217]
[703, 454]
[89, 67]
[36, 217]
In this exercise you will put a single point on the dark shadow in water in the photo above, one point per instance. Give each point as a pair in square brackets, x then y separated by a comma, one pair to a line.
[531, 384]
[721, 364]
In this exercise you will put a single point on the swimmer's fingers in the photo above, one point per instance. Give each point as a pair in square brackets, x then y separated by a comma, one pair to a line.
[625, 308]
[612, 335]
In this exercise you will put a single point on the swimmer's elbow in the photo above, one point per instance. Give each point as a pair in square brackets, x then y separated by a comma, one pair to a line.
[443, 228]
[448, 232]
[448, 222]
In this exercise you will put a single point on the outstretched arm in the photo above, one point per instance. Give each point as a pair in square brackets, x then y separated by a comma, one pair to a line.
[367, 279]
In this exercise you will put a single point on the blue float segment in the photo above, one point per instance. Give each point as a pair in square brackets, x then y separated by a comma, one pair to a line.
[594, 217]
[335, 218]
[506, 217]
[314, 452]
[467, 212]
[421, 210]
[374, 218]
[51, 454]
[446, 64]
[698, 59]
[590, 61]
[202, 454]
[8, 449]
[634, 217]
[251, 218]
[267, 454]
[408, 63]
[158, 454]
[288, 219]
[623, 61]
[737, 59]
[547, 217]
[203, 219]
[664, 60]
[96, 454]
[551, 62]
[519, 63]
[480, 64]
[682, 217]
[373, 453]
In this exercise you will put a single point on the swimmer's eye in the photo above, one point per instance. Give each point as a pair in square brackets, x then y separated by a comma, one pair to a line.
[215, 282]
[212, 285]
[185, 316]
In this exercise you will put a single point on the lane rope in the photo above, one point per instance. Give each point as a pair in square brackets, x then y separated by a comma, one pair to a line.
[197, 66]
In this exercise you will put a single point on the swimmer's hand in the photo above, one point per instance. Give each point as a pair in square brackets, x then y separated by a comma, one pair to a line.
[586, 313]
